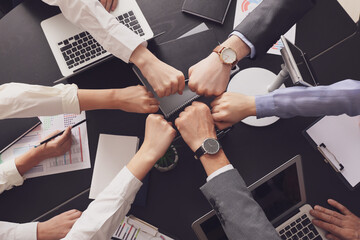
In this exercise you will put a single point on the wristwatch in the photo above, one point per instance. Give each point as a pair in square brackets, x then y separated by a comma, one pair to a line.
[209, 146]
[227, 55]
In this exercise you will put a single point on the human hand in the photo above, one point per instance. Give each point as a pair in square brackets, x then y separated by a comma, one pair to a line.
[109, 4]
[56, 147]
[195, 124]
[209, 76]
[58, 226]
[136, 99]
[164, 79]
[344, 225]
[230, 108]
[158, 136]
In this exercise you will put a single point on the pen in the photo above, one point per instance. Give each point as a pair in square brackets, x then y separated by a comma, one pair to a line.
[324, 146]
[60, 133]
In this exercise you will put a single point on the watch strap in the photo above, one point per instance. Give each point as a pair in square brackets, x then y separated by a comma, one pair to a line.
[199, 152]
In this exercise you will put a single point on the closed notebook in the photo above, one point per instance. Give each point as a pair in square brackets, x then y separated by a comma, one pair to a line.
[181, 54]
[13, 129]
[214, 10]
[113, 153]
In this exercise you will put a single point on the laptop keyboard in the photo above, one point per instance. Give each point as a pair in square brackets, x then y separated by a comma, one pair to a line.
[82, 47]
[300, 229]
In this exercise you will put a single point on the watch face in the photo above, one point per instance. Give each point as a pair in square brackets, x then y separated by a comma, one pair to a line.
[228, 55]
[211, 146]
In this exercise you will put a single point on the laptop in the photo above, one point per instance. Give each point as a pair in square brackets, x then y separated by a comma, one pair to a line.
[75, 49]
[281, 194]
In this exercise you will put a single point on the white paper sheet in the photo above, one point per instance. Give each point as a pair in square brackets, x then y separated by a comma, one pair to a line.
[77, 158]
[113, 153]
[341, 136]
[244, 7]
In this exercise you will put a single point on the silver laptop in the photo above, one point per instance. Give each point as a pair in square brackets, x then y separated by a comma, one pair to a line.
[75, 49]
[281, 194]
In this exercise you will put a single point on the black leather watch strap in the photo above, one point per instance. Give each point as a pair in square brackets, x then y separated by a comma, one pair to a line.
[199, 152]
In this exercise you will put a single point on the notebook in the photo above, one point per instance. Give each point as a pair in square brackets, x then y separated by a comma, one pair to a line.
[337, 138]
[182, 54]
[14, 129]
[113, 153]
[214, 10]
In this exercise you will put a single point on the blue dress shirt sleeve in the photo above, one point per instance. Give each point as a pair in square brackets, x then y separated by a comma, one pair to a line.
[336, 99]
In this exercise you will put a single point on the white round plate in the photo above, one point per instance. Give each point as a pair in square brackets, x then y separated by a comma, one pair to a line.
[253, 81]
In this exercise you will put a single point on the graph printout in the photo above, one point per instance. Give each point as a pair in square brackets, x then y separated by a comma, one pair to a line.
[77, 158]
[244, 7]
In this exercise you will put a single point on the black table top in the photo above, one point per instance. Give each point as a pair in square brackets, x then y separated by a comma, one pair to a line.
[174, 200]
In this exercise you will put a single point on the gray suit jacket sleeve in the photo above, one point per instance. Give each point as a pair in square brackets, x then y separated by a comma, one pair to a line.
[272, 18]
[240, 216]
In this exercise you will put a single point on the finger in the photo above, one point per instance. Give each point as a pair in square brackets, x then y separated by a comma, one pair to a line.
[181, 84]
[108, 5]
[160, 92]
[174, 87]
[66, 136]
[114, 5]
[153, 108]
[218, 117]
[190, 70]
[192, 86]
[328, 227]
[216, 109]
[329, 212]
[222, 125]
[326, 217]
[153, 101]
[339, 206]
[331, 237]
[216, 101]
[150, 94]
[103, 2]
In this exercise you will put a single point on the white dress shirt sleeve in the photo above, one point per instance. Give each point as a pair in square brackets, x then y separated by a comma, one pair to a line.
[247, 42]
[9, 176]
[91, 16]
[15, 231]
[101, 219]
[24, 100]
[219, 171]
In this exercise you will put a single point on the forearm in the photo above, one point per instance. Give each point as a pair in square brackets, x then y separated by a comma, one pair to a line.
[30, 159]
[101, 218]
[211, 163]
[98, 99]
[91, 16]
[239, 214]
[339, 98]
[24, 100]
[141, 164]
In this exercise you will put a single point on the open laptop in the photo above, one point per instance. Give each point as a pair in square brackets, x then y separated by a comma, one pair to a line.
[281, 194]
[75, 49]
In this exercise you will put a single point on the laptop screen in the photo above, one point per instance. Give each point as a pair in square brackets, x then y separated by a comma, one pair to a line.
[279, 193]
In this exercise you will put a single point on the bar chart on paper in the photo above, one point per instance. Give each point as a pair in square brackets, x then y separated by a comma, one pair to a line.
[77, 158]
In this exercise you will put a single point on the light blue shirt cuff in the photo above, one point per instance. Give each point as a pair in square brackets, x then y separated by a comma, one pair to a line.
[265, 105]
[219, 171]
[246, 41]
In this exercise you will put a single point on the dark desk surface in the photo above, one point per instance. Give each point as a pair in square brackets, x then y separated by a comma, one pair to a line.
[174, 200]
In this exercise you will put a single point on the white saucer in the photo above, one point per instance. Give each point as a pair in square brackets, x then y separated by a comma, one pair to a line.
[253, 81]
